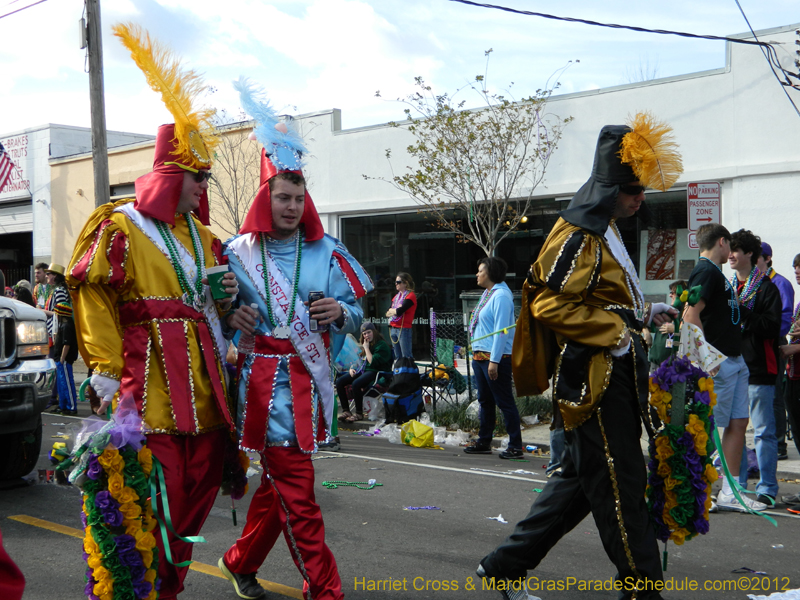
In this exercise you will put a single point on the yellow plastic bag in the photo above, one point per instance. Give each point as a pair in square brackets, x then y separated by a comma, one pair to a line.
[418, 435]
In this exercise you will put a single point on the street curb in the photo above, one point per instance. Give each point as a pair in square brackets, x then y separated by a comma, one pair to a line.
[369, 425]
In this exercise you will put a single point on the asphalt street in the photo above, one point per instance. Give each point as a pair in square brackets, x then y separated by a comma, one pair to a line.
[415, 554]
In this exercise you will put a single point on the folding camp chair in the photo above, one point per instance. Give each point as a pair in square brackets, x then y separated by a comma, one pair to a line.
[443, 379]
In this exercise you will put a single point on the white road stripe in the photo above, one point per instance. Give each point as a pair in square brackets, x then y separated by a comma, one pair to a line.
[454, 469]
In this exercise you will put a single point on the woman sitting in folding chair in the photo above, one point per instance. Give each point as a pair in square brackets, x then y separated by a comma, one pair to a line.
[377, 357]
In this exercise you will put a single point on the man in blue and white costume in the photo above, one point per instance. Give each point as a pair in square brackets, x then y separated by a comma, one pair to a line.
[286, 398]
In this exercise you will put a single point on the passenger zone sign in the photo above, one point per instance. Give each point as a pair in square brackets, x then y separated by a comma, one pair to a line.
[703, 205]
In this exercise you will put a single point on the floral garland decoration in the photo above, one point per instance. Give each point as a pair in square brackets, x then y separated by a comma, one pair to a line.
[680, 470]
[112, 467]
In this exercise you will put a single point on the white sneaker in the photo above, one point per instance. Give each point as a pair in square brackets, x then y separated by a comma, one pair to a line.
[729, 502]
[714, 508]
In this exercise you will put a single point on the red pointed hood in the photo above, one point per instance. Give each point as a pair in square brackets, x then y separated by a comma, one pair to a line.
[158, 192]
[259, 217]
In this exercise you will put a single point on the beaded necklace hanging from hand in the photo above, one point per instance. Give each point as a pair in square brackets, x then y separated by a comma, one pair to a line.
[473, 323]
[192, 292]
[734, 303]
[747, 297]
[268, 295]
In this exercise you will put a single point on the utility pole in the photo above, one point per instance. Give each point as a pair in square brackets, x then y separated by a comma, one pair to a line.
[96, 94]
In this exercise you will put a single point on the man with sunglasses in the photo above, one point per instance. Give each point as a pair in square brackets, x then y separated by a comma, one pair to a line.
[581, 322]
[149, 328]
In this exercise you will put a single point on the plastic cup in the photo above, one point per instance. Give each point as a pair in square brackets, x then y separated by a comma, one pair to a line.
[215, 275]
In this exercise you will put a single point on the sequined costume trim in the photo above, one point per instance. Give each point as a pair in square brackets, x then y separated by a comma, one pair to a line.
[558, 257]
[109, 375]
[572, 265]
[193, 399]
[617, 501]
[289, 535]
[146, 378]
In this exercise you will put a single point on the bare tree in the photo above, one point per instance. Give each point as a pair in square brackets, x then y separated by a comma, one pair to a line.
[482, 164]
[644, 71]
[237, 169]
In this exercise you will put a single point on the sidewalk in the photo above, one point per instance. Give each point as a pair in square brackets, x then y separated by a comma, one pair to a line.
[539, 436]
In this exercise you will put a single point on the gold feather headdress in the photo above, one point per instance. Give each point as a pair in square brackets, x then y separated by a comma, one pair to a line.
[195, 136]
[651, 152]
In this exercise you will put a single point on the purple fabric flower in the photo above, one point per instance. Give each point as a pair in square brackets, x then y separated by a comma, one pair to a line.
[701, 525]
[125, 543]
[95, 469]
[137, 572]
[113, 517]
[83, 519]
[105, 501]
[142, 589]
[129, 558]
[88, 590]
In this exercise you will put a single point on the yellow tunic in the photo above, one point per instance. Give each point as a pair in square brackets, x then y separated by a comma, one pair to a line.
[124, 291]
[572, 288]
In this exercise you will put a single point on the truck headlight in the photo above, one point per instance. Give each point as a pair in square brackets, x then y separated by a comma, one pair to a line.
[31, 339]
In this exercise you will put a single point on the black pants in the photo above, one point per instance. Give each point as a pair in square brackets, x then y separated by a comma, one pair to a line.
[360, 384]
[589, 484]
[792, 399]
[778, 405]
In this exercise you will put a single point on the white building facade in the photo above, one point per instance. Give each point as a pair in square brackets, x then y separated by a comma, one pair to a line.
[735, 125]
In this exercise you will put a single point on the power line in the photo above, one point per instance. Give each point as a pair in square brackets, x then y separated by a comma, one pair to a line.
[19, 9]
[769, 62]
[772, 55]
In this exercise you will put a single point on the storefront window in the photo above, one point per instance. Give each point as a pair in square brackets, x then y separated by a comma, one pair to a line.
[443, 267]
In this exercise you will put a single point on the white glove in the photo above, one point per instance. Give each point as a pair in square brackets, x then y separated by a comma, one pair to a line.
[105, 388]
[657, 308]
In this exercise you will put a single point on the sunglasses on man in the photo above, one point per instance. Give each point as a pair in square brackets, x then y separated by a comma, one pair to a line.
[201, 176]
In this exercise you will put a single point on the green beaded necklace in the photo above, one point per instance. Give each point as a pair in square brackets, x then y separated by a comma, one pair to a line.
[193, 294]
[298, 255]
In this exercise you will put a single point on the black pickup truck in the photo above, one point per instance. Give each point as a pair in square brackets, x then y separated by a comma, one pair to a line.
[27, 378]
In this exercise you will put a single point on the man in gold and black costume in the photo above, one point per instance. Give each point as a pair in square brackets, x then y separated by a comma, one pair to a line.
[586, 312]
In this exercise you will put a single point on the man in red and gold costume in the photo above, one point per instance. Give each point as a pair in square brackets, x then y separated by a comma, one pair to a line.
[148, 326]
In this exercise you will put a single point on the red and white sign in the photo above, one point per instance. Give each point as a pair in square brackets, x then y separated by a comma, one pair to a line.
[693, 241]
[704, 204]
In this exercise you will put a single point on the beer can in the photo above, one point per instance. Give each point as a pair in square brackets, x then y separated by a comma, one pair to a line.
[313, 324]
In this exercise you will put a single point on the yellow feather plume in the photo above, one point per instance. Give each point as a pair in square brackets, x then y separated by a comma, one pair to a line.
[194, 132]
[651, 151]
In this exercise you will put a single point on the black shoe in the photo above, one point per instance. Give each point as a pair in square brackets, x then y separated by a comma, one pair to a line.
[331, 446]
[766, 499]
[56, 411]
[511, 453]
[70, 413]
[246, 586]
[783, 455]
[478, 449]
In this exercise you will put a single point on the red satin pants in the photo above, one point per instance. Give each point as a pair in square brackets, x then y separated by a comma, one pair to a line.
[193, 473]
[284, 502]
[12, 582]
